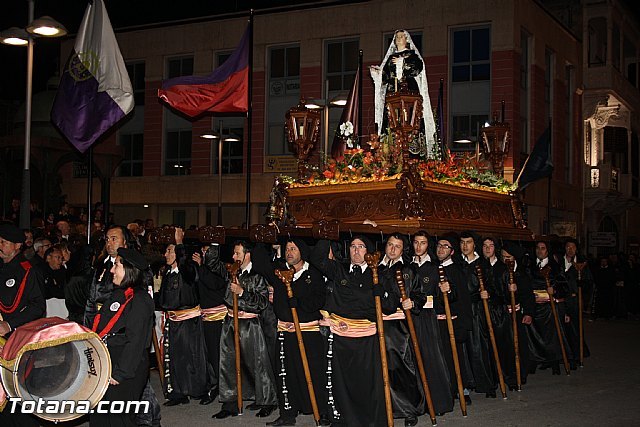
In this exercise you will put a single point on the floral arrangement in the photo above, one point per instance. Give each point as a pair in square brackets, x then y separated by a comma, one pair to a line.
[382, 160]
[346, 134]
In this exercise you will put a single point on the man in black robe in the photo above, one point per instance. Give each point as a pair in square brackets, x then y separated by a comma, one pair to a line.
[478, 353]
[426, 324]
[407, 396]
[354, 374]
[545, 349]
[309, 292]
[211, 286]
[186, 370]
[454, 287]
[571, 304]
[512, 255]
[258, 382]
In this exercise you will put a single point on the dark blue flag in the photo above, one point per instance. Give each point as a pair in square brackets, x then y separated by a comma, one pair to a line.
[538, 165]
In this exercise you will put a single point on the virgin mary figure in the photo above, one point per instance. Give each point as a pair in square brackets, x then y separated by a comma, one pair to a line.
[402, 64]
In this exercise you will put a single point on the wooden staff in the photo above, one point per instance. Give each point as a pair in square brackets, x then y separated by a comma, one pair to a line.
[416, 348]
[579, 267]
[514, 322]
[158, 351]
[287, 277]
[492, 336]
[233, 272]
[372, 261]
[545, 273]
[454, 349]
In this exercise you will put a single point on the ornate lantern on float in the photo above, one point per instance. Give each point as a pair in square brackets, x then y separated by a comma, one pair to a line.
[496, 141]
[303, 130]
[405, 115]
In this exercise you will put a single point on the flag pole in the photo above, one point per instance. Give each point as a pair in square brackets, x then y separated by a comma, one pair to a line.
[522, 170]
[89, 191]
[249, 119]
[549, 179]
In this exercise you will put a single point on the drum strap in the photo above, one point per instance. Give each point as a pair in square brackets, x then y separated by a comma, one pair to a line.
[26, 265]
[128, 297]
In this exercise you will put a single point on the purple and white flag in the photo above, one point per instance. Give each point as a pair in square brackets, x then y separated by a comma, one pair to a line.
[95, 91]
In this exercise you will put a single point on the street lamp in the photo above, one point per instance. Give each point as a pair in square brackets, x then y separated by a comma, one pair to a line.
[44, 27]
[213, 135]
[339, 100]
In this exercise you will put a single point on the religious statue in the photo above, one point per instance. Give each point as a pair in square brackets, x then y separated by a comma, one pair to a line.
[403, 69]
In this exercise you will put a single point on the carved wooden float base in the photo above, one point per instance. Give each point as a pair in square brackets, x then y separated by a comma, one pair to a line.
[408, 204]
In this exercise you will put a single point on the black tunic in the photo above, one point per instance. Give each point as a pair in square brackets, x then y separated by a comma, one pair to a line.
[128, 342]
[187, 371]
[572, 327]
[308, 289]
[356, 373]
[258, 382]
[31, 305]
[407, 395]
[428, 333]
[212, 284]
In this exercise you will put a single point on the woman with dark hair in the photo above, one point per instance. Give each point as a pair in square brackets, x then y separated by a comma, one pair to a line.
[125, 323]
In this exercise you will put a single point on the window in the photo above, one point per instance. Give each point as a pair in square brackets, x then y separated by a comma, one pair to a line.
[568, 153]
[525, 92]
[177, 67]
[136, 75]
[232, 156]
[470, 86]
[597, 41]
[284, 92]
[630, 61]
[132, 145]
[221, 57]
[466, 129]
[471, 55]
[341, 61]
[615, 47]
[178, 153]
[416, 36]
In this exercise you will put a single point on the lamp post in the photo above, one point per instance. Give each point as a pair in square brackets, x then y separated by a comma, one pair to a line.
[44, 27]
[211, 135]
[325, 104]
[303, 126]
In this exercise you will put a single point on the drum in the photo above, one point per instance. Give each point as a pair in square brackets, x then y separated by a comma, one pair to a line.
[56, 361]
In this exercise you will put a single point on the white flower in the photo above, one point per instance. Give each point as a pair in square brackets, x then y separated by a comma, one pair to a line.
[346, 129]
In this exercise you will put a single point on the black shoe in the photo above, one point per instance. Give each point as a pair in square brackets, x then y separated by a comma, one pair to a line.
[253, 407]
[544, 366]
[206, 399]
[410, 421]
[467, 399]
[265, 411]
[324, 421]
[439, 414]
[282, 422]
[224, 414]
[513, 388]
[174, 402]
[555, 369]
[491, 394]
[573, 365]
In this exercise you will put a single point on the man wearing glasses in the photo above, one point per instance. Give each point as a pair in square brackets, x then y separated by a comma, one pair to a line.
[454, 287]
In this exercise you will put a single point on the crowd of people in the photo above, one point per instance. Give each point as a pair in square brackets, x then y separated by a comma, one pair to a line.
[465, 345]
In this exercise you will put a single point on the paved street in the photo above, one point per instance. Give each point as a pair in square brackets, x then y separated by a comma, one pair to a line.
[603, 393]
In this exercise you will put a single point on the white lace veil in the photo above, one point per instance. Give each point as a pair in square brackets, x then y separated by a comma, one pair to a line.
[380, 91]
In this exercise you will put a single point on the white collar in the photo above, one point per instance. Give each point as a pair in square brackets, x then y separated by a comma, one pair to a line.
[110, 258]
[543, 262]
[174, 270]
[363, 266]
[387, 262]
[447, 262]
[493, 260]
[475, 257]
[247, 268]
[298, 273]
[420, 261]
[568, 263]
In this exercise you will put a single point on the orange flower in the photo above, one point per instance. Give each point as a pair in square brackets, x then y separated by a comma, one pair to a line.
[328, 174]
